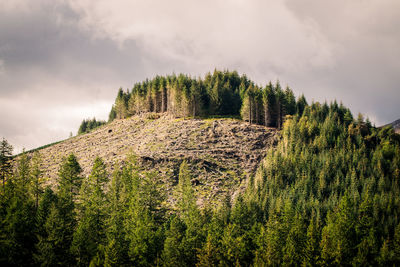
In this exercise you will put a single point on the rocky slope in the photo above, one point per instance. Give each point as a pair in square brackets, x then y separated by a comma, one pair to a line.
[222, 153]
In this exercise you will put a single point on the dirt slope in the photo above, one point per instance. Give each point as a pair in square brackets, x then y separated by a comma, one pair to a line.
[221, 152]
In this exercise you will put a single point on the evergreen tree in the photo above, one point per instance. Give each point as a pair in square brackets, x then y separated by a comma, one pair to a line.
[208, 255]
[44, 254]
[90, 232]
[311, 250]
[116, 249]
[61, 222]
[36, 178]
[69, 177]
[172, 254]
[338, 240]
[5, 161]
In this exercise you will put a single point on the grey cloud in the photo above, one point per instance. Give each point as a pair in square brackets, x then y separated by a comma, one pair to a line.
[59, 57]
[50, 65]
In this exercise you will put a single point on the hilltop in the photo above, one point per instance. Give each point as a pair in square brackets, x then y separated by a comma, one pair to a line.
[222, 153]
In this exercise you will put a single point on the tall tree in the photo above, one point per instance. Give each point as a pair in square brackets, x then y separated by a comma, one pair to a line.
[90, 232]
[5, 161]
[37, 179]
[61, 221]
[45, 254]
[69, 177]
[190, 215]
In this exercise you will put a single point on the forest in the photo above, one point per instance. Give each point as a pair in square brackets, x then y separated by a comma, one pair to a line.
[222, 93]
[328, 194]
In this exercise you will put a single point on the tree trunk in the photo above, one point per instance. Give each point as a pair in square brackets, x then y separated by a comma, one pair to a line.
[250, 110]
[194, 106]
[266, 114]
[257, 115]
[279, 117]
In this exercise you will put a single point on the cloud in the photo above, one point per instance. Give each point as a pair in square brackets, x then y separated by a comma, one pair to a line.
[2, 69]
[256, 36]
[338, 50]
[63, 60]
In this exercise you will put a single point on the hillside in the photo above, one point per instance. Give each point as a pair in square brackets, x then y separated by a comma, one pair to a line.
[221, 153]
[396, 126]
[323, 191]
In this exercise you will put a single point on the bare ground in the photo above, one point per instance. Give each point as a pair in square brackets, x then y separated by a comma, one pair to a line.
[222, 153]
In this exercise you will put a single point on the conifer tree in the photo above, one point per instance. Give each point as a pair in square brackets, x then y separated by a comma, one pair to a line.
[172, 254]
[116, 249]
[17, 231]
[208, 254]
[5, 161]
[44, 254]
[90, 232]
[69, 177]
[37, 179]
[61, 221]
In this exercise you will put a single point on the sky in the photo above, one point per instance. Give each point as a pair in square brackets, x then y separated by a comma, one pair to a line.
[62, 61]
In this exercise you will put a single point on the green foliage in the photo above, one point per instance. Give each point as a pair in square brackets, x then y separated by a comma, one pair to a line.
[37, 180]
[90, 233]
[327, 194]
[5, 161]
[69, 177]
[222, 93]
[143, 231]
[340, 176]
[87, 125]
[56, 237]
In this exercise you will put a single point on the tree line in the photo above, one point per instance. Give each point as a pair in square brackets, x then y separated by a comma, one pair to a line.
[221, 93]
[89, 124]
[327, 195]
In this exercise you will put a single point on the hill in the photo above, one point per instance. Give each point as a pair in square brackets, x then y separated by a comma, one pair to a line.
[325, 192]
[395, 125]
[221, 153]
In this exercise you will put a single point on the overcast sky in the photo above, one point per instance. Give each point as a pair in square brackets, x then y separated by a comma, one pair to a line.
[63, 60]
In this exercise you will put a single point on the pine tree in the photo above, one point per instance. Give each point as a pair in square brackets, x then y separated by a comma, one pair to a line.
[5, 161]
[90, 233]
[233, 246]
[143, 230]
[294, 249]
[366, 233]
[172, 254]
[69, 177]
[207, 256]
[116, 249]
[338, 240]
[37, 180]
[22, 176]
[61, 221]
[17, 231]
[311, 251]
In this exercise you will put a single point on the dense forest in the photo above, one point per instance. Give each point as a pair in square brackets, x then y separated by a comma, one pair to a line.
[327, 195]
[221, 93]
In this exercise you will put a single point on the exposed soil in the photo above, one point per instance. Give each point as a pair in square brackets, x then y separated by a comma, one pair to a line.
[222, 153]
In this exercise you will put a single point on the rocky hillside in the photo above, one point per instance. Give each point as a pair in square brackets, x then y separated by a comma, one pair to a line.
[222, 153]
